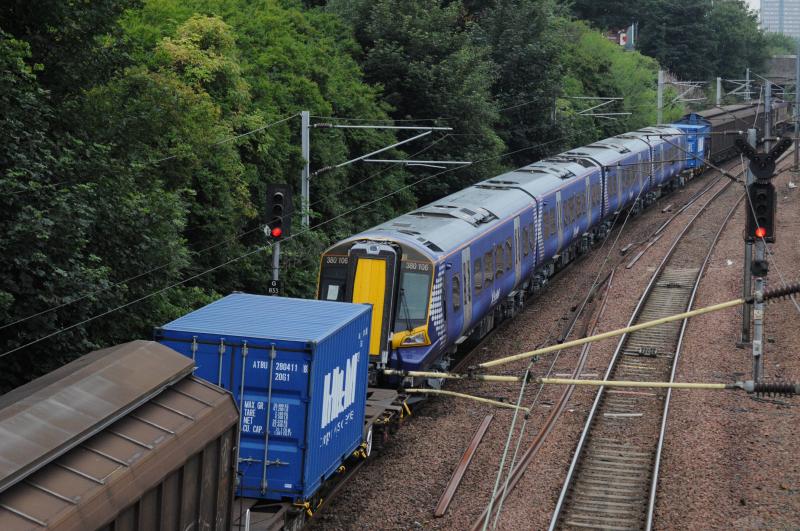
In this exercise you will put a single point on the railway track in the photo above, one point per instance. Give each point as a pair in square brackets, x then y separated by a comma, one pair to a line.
[645, 243]
[612, 479]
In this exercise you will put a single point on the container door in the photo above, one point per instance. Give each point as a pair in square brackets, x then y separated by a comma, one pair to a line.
[374, 270]
[466, 283]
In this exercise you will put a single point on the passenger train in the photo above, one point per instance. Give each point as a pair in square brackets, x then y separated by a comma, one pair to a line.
[450, 270]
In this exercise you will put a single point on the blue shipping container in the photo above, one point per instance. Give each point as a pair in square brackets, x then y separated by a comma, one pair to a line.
[317, 355]
[698, 131]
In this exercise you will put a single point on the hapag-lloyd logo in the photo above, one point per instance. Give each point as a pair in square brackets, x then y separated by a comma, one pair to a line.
[339, 390]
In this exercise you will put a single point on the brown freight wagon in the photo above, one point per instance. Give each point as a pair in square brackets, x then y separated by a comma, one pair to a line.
[123, 438]
[728, 120]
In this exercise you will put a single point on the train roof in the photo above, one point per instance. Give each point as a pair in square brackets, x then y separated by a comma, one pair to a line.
[652, 135]
[454, 219]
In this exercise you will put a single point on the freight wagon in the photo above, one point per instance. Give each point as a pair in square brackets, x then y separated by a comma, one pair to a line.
[123, 438]
[298, 370]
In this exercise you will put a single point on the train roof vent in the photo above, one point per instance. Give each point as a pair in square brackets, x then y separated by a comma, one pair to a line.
[434, 247]
[435, 211]
[506, 183]
[396, 224]
[409, 232]
[532, 170]
[586, 163]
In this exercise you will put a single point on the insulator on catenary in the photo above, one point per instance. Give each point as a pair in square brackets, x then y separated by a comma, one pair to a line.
[777, 388]
[782, 291]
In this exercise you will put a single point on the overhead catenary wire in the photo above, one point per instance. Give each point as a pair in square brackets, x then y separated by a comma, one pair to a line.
[268, 246]
[199, 252]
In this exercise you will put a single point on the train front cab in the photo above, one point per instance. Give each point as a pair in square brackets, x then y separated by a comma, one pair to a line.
[398, 282]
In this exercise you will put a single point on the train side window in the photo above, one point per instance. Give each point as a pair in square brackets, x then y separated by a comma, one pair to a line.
[456, 292]
[509, 254]
[532, 238]
[547, 224]
[526, 244]
[488, 267]
[478, 275]
[498, 260]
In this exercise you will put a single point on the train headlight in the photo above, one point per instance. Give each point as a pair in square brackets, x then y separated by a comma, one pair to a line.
[418, 337]
[415, 340]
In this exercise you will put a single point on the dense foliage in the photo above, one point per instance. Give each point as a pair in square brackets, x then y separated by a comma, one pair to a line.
[137, 140]
[695, 39]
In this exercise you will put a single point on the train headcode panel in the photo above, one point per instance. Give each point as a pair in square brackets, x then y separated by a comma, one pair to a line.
[298, 371]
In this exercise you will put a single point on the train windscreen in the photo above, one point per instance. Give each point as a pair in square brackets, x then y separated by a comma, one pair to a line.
[412, 308]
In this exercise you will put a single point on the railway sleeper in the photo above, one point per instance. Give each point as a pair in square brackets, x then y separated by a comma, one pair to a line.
[595, 522]
[619, 458]
[594, 494]
[625, 470]
[600, 508]
[591, 502]
[605, 527]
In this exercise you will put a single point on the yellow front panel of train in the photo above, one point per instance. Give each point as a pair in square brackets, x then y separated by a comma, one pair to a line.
[370, 287]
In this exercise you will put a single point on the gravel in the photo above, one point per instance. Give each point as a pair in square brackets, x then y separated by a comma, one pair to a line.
[730, 460]
[399, 487]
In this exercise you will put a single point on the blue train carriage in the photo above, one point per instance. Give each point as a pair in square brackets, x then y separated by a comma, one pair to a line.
[697, 132]
[298, 372]
[447, 271]
[667, 156]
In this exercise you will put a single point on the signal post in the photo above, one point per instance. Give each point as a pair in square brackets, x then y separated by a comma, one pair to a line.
[279, 222]
[759, 230]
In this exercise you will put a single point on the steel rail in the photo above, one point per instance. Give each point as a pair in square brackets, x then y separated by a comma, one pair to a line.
[571, 473]
[600, 396]
[519, 470]
[662, 433]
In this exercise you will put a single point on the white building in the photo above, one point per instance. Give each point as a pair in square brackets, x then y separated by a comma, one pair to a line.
[781, 16]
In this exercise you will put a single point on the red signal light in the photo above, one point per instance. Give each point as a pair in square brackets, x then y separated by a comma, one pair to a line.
[761, 232]
[276, 232]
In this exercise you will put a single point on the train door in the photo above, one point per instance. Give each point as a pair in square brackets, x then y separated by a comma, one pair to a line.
[517, 251]
[559, 224]
[373, 273]
[466, 288]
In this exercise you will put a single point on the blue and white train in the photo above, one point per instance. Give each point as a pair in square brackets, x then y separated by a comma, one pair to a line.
[448, 271]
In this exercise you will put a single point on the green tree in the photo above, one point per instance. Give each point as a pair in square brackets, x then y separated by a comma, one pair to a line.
[526, 42]
[737, 41]
[425, 55]
[779, 44]
[45, 224]
[293, 60]
[77, 42]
